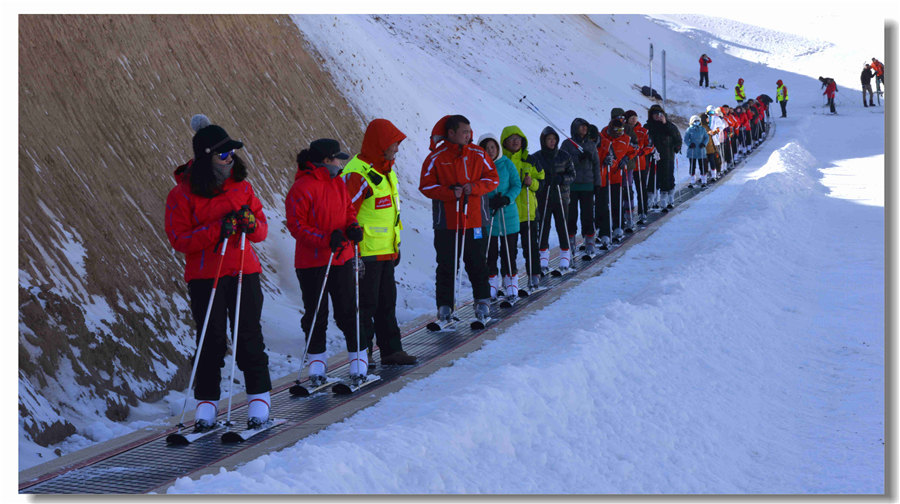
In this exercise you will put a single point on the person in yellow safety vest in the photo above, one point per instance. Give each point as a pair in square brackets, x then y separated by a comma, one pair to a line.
[781, 95]
[739, 94]
[373, 188]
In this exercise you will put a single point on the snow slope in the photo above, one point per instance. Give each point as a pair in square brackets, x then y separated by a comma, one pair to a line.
[738, 350]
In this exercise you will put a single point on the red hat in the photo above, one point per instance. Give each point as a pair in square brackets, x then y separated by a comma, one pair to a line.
[740, 81]
[779, 82]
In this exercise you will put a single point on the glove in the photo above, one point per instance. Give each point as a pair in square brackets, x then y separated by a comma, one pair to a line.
[229, 225]
[246, 221]
[527, 180]
[337, 239]
[354, 233]
[457, 191]
[467, 189]
[609, 160]
[362, 267]
[497, 202]
[690, 146]
[656, 155]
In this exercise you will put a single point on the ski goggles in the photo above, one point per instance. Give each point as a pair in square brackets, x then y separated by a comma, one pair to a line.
[225, 155]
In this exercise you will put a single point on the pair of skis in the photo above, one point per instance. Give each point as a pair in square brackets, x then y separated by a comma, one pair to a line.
[446, 326]
[231, 436]
[337, 387]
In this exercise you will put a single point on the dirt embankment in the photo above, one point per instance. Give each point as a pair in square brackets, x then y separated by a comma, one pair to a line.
[104, 110]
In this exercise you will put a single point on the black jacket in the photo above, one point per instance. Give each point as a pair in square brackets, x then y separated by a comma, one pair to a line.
[666, 138]
[866, 77]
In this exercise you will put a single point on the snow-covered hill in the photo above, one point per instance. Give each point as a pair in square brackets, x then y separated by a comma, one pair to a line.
[655, 303]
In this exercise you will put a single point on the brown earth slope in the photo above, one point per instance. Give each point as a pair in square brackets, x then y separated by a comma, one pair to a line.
[104, 110]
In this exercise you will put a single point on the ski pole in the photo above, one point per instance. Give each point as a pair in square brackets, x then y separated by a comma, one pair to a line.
[212, 296]
[543, 218]
[609, 201]
[356, 288]
[462, 252]
[234, 328]
[315, 314]
[490, 230]
[565, 216]
[628, 189]
[505, 244]
[530, 268]
[531, 106]
[640, 193]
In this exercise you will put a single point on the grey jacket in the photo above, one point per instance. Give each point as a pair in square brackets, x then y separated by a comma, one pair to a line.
[587, 163]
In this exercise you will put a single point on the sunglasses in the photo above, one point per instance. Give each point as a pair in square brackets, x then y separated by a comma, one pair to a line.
[225, 155]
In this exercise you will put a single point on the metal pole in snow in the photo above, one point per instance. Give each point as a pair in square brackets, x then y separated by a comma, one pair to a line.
[665, 104]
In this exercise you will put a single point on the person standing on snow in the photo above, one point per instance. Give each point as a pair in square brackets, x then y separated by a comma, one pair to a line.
[866, 80]
[559, 173]
[704, 69]
[375, 196]
[830, 90]
[454, 176]
[667, 140]
[504, 227]
[583, 152]
[713, 163]
[781, 94]
[878, 68]
[322, 220]
[739, 94]
[211, 203]
[515, 147]
[616, 141]
[696, 139]
[644, 150]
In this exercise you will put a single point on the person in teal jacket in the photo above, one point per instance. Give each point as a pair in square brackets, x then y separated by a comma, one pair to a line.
[515, 147]
[503, 220]
[696, 139]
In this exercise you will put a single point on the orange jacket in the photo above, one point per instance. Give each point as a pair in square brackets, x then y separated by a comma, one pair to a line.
[450, 165]
[644, 147]
[621, 147]
[878, 67]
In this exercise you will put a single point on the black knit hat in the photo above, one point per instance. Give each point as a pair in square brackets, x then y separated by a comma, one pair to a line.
[629, 114]
[212, 139]
[616, 112]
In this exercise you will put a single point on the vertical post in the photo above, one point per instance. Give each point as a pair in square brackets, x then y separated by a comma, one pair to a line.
[651, 69]
[664, 78]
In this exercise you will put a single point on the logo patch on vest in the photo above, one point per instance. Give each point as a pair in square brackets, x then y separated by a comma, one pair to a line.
[383, 202]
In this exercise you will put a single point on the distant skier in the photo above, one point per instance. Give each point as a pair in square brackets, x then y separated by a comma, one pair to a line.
[375, 195]
[667, 140]
[713, 163]
[739, 94]
[553, 196]
[767, 101]
[878, 68]
[504, 224]
[830, 90]
[583, 152]
[213, 202]
[322, 220]
[704, 69]
[455, 174]
[781, 94]
[696, 139]
[515, 147]
[866, 80]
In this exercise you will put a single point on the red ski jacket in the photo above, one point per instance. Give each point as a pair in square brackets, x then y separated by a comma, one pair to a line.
[830, 90]
[703, 62]
[194, 225]
[316, 205]
[644, 147]
[622, 149]
[449, 165]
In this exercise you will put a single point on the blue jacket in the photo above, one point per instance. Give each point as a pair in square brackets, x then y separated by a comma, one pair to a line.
[699, 137]
[509, 186]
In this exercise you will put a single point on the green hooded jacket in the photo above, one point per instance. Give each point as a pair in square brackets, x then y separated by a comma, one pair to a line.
[525, 166]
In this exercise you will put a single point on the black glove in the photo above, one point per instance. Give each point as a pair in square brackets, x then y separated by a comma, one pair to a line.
[246, 221]
[692, 146]
[397, 260]
[337, 239]
[498, 202]
[229, 225]
[609, 160]
[355, 233]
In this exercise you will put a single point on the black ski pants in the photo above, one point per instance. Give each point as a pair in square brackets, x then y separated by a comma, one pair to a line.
[704, 76]
[602, 210]
[378, 307]
[666, 173]
[528, 232]
[341, 289]
[867, 87]
[642, 191]
[446, 244]
[831, 104]
[556, 209]
[652, 178]
[583, 200]
[783, 104]
[251, 349]
[502, 247]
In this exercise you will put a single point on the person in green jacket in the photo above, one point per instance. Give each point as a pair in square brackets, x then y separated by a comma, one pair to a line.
[503, 220]
[515, 147]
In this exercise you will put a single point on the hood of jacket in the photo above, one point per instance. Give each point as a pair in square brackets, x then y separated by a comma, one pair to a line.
[508, 132]
[494, 138]
[380, 134]
[544, 134]
[573, 129]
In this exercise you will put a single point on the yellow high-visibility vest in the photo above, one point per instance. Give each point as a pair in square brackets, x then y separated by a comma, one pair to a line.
[379, 215]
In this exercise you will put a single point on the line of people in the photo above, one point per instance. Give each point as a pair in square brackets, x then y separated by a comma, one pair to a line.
[347, 225]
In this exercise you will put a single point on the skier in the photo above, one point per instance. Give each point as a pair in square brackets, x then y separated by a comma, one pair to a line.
[667, 140]
[211, 203]
[323, 221]
[713, 163]
[455, 175]
[767, 101]
[615, 139]
[866, 80]
[781, 94]
[583, 152]
[830, 90]
[878, 68]
[696, 138]
[645, 149]
[704, 69]
[515, 147]
[739, 94]
[553, 197]
[504, 227]
[720, 140]
[374, 194]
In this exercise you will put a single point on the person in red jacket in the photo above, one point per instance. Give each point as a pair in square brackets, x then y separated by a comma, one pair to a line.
[704, 69]
[323, 221]
[378, 286]
[211, 203]
[830, 90]
[454, 176]
[644, 149]
[615, 138]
